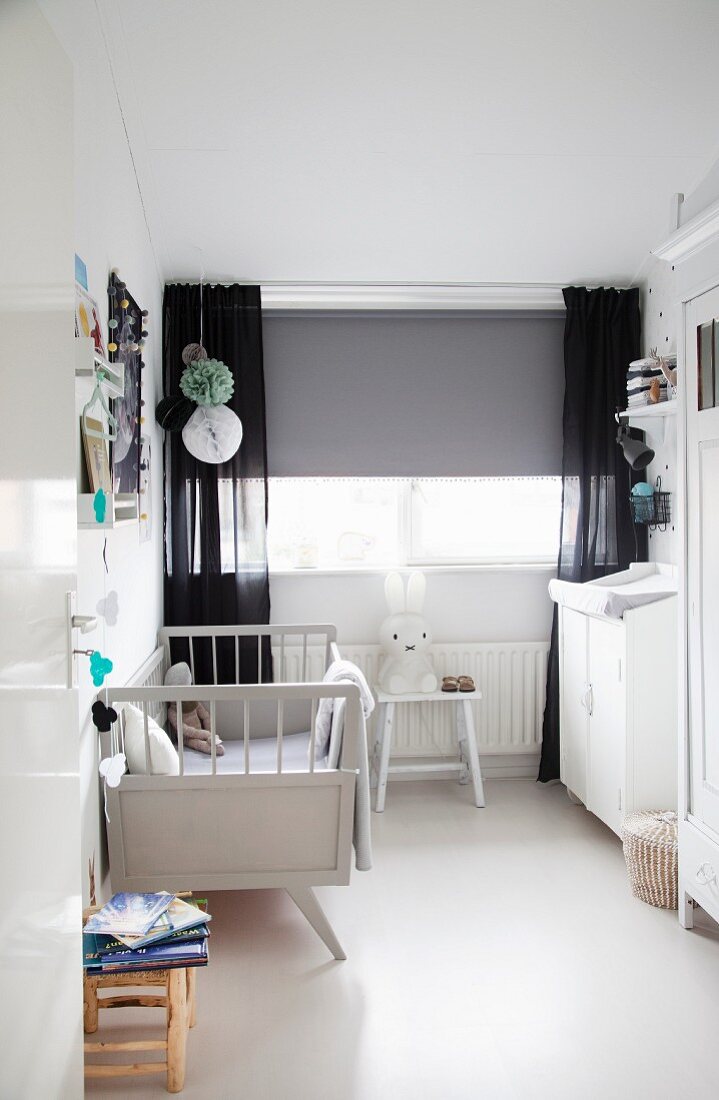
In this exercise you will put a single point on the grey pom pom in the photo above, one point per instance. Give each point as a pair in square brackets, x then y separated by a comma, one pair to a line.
[192, 352]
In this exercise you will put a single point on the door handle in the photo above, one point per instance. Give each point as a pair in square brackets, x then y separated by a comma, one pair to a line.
[84, 623]
[588, 700]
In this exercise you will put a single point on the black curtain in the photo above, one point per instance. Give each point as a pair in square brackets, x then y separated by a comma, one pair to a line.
[216, 516]
[601, 336]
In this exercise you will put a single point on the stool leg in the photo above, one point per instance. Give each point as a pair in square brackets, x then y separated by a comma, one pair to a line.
[89, 1008]
[464, 774]
[176, 1029]
[385, 733]
[471, 742]
[191, 996]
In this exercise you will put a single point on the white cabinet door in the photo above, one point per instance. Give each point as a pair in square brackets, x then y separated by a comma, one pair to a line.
[702, 397]
[574, 687]
[607, 722]
[40, 922]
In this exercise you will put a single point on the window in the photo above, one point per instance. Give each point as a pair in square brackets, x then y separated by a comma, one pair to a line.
[334, 523]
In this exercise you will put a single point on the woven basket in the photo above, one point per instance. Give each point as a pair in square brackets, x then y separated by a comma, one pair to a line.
[650, 849]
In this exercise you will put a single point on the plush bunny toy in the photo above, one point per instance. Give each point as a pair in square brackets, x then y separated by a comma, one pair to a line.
[406, 637]
[195, 718]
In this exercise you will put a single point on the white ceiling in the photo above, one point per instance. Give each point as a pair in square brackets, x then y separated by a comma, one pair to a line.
[415, 140]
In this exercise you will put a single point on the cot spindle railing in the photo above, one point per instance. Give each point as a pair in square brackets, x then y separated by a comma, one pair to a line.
[213, 735]
[246, 734]
[180, 737]
[146, 732]
[280, 733]
[313, 719]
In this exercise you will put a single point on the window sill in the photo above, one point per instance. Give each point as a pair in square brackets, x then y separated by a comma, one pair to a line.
[381, 570]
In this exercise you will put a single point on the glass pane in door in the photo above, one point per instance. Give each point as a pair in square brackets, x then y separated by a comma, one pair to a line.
[705, 365]
[709, 551]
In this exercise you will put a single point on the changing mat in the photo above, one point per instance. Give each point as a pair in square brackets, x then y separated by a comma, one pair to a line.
[263, 756]
[613, 600]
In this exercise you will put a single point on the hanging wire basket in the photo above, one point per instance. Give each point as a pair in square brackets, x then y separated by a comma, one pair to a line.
[653, 510]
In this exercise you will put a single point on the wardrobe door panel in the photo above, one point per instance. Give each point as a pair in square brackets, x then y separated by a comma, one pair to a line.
[607, 723]
[574, 679]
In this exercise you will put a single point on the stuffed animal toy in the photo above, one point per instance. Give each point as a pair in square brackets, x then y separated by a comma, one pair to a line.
[195, 717]
[405, 638]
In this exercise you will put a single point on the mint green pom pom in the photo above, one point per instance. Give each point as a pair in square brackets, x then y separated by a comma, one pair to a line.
[207, 382]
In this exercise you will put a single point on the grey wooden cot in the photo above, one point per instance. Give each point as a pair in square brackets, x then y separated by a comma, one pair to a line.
[258, 820]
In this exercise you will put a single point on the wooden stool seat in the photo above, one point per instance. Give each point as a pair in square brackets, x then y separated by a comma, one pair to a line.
[179, 1001]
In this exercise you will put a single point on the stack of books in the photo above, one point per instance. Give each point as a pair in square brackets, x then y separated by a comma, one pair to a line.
[146, 932]
[646, 383]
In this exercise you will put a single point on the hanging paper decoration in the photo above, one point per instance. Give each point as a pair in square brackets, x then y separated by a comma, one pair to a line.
[213, 434]
[207, 382]
[173, 412]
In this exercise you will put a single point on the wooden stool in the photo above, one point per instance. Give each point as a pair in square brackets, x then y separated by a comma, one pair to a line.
[178, 999]
[467, 763]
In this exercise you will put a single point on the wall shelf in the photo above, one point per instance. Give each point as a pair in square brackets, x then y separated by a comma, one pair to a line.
[88, 362]
[121, 511]
[661, 409]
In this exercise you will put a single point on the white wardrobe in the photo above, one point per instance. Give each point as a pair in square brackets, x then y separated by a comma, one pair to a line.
[693, 249]
[618, 703]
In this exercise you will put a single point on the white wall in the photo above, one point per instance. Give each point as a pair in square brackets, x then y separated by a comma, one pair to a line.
[483, 605]
[110, 232]
[658, 290]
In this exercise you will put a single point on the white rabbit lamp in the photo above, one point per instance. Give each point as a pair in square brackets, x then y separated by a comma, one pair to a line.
[405, 638]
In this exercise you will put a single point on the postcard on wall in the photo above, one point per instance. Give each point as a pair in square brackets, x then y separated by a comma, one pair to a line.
[96, 458]
[87, 319]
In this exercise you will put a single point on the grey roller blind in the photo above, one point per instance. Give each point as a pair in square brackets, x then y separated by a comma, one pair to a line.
[411, 396]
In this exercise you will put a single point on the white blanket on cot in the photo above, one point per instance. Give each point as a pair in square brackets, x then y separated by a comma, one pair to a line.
[329, 728]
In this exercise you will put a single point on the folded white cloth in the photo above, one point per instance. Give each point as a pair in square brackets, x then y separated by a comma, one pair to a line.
[328, 734]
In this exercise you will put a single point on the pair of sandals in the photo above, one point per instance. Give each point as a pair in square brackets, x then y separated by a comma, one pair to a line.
[458, 683]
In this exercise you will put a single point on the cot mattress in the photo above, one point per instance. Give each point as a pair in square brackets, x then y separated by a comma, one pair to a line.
[263, 756]
[604, 598]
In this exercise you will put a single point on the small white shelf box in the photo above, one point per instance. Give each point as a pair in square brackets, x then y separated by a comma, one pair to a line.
[88, 362]
[121, 511]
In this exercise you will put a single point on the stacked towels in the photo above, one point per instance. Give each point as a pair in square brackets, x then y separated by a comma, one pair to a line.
[646, 383]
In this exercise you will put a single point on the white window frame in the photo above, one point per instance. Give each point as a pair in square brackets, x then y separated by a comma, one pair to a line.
[410, 555]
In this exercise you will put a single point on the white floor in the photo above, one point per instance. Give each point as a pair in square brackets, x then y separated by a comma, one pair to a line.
[493, 953]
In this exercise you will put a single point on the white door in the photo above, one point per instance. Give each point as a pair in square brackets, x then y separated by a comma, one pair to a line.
[40, 900]
[574, 689]
[607, 724]
[702, 397]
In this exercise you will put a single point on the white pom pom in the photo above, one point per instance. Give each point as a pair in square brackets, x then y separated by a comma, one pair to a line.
[213, 433]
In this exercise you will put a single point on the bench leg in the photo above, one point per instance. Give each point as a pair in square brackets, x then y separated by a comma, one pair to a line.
[471, 744]
[384, 732]
[305, 900]
[191, 996]
[176, 1029]
[89, 1008]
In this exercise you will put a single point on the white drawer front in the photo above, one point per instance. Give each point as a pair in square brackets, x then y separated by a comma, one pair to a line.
[699, 868]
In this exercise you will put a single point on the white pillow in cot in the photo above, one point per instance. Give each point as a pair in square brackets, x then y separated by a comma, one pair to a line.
[163, 754]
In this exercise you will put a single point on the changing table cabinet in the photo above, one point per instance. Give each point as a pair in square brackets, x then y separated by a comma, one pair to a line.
[618, 709]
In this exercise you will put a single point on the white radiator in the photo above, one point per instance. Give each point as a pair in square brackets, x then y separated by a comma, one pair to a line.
[511, 676]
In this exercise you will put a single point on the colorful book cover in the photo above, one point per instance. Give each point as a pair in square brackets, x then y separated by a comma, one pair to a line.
[107, 944]
[165, 954]
[178, 915]
[158, 956]
[129, 914]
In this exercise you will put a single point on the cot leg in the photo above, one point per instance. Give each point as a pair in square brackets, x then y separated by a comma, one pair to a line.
[385, 735]
[377, 745]
[305, 900]
[176, 1029]
[471, 742]
[90, 1009]
[191, 996]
